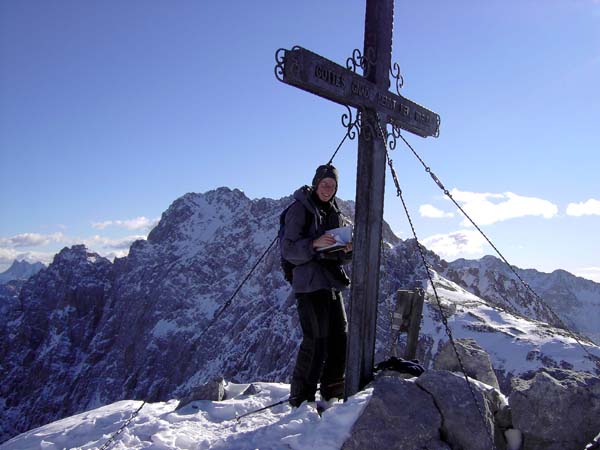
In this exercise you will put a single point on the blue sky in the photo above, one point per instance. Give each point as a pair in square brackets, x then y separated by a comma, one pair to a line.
[111, 110]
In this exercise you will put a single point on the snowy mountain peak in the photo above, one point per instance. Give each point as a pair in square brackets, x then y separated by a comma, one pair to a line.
[76, 253]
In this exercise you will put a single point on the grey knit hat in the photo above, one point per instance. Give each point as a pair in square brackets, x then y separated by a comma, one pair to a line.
[326, 171]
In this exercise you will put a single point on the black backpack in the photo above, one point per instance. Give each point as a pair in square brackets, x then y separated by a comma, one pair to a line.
[286, 266]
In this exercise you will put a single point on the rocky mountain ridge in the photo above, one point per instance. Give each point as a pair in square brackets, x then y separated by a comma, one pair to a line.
[574, 299]
[86, 332]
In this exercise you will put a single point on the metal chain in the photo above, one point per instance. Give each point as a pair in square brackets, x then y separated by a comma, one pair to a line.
[388, 301]
[111, 440]
[437, 181]
[338, 147]
[437, 298]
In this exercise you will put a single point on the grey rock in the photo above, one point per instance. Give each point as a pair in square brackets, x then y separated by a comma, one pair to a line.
[463, 426]
[556, 409]
[503, 417]
[214, 391]
[253, 389]
[399, 416]
[476, 361]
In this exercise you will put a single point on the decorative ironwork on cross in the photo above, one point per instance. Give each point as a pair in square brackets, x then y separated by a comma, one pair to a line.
[369, 93]
[313, 73]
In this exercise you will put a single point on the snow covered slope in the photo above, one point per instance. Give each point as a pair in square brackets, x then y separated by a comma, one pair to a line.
[575, 300]
[203, 424]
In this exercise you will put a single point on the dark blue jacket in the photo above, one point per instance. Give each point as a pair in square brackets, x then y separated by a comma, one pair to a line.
[313, 270]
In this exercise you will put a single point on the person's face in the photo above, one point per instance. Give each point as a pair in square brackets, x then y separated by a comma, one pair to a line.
[326, 189]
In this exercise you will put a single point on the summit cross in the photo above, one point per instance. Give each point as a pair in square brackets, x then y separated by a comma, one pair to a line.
[370, 94]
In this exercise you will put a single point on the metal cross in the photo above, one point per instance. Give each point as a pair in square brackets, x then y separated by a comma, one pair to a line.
[370, 94]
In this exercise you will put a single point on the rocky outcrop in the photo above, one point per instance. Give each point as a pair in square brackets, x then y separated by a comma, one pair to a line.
[399, 416]
[556, 409]
[467, 410]
[550, 410]
[433, 411]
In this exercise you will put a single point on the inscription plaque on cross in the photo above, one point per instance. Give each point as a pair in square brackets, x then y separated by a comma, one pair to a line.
[370, 94]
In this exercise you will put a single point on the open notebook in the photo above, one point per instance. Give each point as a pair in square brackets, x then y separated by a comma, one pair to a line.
[342, 235]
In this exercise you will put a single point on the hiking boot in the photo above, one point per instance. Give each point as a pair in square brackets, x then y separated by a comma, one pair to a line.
[299, 399]
[332, 389]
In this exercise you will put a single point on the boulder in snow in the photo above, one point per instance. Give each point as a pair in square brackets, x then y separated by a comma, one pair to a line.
[214, 391]
[556, 409]
[399, 415]
[465, 425]
[253, 389]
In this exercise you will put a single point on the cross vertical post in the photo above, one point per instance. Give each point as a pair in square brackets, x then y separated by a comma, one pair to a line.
[370, 186]
[368, 93]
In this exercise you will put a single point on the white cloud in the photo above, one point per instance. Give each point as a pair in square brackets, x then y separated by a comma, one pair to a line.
[456, 244]
[10, 248]
[100, 244]
[32, 240]
[591, 273]
[433, 212]
[117, 254]
[139, 223]
[102, 225]
[482, 208]
[590, 207]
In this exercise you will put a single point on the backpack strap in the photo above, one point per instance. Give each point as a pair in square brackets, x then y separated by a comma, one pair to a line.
[308, 216]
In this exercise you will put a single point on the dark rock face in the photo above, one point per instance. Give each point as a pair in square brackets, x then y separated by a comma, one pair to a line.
[49, 337]
[556, 409]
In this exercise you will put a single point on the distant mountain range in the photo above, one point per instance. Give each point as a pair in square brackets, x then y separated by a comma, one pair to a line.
[20, 270]
[85, 332]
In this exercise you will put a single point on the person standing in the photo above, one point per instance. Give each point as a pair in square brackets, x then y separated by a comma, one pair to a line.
[318, 278]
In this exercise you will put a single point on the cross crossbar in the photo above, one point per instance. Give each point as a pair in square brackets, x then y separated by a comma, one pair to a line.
[313, 73]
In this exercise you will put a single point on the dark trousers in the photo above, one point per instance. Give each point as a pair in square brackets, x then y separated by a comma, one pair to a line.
[322, 354]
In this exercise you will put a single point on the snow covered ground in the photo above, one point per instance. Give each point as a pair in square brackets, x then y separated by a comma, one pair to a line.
[203, 424]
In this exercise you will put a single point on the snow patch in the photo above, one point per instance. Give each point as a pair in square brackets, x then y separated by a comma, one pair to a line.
[204, 424]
